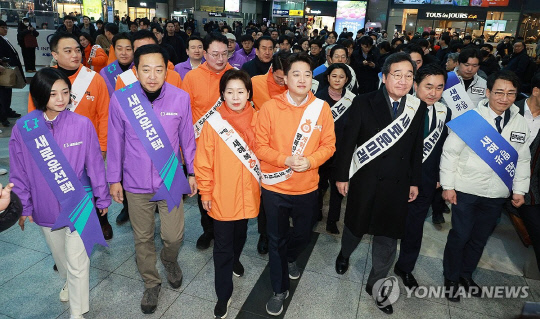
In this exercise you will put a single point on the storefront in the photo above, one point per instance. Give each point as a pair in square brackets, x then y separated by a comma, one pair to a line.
[321, 14]
[529, 27]
[491, 18]
[287, 12]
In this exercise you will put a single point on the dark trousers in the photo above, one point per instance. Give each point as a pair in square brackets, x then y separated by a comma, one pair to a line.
[5, 102]
[207, 222]
[437, 203]
[261, 219]
[531, 218]
[409, 248]
[29, 58]
[285, 245]
[325, 181]
[229, 240]
[383, 253]
[473, 220]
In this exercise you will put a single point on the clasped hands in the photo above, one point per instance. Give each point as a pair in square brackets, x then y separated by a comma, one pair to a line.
[298, 163]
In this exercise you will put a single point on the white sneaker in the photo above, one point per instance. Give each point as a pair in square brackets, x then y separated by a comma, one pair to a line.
[64, 294]
[3, 171]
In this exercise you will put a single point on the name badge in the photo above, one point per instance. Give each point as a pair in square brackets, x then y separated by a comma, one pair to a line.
[479, 91]
[517, 137]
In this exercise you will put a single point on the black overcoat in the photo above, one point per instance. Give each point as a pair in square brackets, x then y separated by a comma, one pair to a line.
[379, 191]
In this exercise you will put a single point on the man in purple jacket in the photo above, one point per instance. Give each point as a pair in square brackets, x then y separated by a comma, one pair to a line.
[247, 51]
[235, 58]
[146, 118]
[195, 53]
[124, 56]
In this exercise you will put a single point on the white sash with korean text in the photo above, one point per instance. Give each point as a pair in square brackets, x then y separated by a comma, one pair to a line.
[197, 127]
[80, 86]
[342, 105]
[128, 77]
[386, 138]
[314, 85]
[93, 53]
[237, 145]
[352, 84]
[439, 111]
[301, 139]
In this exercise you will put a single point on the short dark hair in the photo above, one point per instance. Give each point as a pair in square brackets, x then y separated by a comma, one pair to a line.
[263, 38]
[112, 28]
[334, 33]
[120, 36]
[347, 43]
[282, 39]
[133, 23]
[385, 45]
[446, 39]
[149, 49]
[503, 75]
[234, 74]
[342, 66]
[396, 58]
[366, 40]
[394, 40]
[88, 37]
[337, 47]
[274, 31]
[59, 36]
[41, 86]
[142, 34]
[456, 45]
[487, 45]
[296, 57]
[280, 60]
[70, 18]
[169, 21]
[469, 53]
[86, 17]
[467, 37]
[246, 37]
[214, 37]
[157, 27]
[430, 69]
[413, 47]
[316, 42]
[535, 81]
[144, 21]
[194, 38]
[424, 43]
[99, 21]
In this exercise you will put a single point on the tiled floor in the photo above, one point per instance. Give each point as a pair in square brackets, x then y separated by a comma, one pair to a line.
[29, 287]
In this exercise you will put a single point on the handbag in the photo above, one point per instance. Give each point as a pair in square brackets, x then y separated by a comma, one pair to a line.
[30, 41]
[12, 78]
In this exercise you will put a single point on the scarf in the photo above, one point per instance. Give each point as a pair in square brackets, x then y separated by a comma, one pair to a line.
[241, 122]
[334, 95]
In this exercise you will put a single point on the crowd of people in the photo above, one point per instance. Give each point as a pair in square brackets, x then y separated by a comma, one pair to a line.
[259, 122]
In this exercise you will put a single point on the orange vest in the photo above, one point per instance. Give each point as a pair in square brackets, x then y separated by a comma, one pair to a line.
[275, 130]
[112, 56]
[94, 105]
[265, 88]
[223, 179]
[98, 62]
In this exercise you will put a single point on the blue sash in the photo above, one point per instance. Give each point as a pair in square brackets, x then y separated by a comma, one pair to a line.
[456, 97]
[148, 128]
[74, 195]
[487, 143]
[111, 73]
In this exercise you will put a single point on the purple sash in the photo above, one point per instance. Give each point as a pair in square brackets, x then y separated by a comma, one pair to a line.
[111, 73]
[145, 123]
[74, 195]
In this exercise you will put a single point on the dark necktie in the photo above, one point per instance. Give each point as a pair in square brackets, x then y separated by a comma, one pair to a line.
[395, 107]
[498, 120]
[426, 124]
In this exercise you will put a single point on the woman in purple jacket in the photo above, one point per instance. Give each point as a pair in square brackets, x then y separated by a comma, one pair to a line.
[46, 168]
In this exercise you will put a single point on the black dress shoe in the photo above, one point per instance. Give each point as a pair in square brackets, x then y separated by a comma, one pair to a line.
[342, 264]
[262, 245]
[386, 309]
[13, 114]
[122, 217]
[471, 287]
[55, 268]
[204, 241]
[446, 209]
[107, 231]
[408, 279]
[6, 123]
[331, 227]
[451, 290]
[438, 219]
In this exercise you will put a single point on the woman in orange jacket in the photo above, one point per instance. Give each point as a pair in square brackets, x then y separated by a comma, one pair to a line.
[228, 175]
[94, 56]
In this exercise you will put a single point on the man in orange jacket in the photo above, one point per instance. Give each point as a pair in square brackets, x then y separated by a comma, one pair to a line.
[202, 84]
[140, 38]
[295, 120]
[88, 92]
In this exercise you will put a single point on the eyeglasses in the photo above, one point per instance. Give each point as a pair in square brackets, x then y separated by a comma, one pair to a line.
[500, 95]
[217, 55]
[399, 76]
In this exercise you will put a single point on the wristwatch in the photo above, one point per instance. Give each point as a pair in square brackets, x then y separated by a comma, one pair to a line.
[191, 175]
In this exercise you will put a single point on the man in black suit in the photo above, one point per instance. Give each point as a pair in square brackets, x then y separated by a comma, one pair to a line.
[264, 50]
[388, 126]
[7, 54]
[429, 86]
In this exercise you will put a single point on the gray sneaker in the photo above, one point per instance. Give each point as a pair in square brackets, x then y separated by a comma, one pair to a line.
[150, 299]
[294, 272]
[274, 306]
[174, 273]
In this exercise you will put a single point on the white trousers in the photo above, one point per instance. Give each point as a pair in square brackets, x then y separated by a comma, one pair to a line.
[73, 265]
